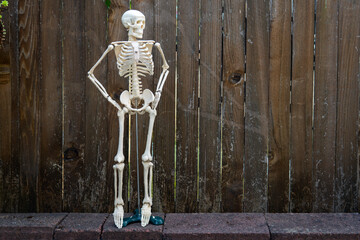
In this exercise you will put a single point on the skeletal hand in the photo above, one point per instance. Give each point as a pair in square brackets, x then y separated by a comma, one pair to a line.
[145, 214]
[118, 216]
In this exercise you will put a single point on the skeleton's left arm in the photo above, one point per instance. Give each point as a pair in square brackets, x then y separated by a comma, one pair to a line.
[162, 77]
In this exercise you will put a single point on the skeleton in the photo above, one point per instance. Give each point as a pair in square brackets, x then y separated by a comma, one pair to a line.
[134, 60]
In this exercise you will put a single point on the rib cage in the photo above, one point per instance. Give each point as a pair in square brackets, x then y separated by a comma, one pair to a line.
[134, 68]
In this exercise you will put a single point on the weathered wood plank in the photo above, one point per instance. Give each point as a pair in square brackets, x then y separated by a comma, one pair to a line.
[279, 106]
[164, 128]
[74, 84]
[13, 174]
[147, 8]
[325, 104]
[29, 46]
[187, 106]
[233, 105]
[5, 116]
[210, 107]
[347, 108]
[301, 106]
[96, 144]
[256, 114]
[50, 175]
[115, 85]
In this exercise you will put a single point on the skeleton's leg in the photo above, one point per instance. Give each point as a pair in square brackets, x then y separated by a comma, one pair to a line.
[146, 160]
[118, 173]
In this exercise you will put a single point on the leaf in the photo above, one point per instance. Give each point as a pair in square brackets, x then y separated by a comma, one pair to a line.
[108, 3]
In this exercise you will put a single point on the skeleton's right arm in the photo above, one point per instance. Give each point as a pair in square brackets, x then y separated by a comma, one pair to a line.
[96, 82]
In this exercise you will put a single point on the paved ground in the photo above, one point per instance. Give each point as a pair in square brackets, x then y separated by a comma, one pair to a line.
[191, 226]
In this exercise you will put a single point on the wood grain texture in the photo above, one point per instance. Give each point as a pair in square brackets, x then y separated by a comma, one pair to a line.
[346, 162]
[233, 106]
[147, 8]
[50, 174]
[96, 145]
[279, 106]
[115, 85]
[164, 128]
[257, 106]
[187, 106]
[13, 173]
[29, 107]
[325, 104]
[210, 107]
[74, 83]
[5, 116]
[302, 106]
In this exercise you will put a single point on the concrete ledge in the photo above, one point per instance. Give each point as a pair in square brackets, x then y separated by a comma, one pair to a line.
[314, 226]
[29, 225]
[81, 226]
[224, 226]
[183, 226]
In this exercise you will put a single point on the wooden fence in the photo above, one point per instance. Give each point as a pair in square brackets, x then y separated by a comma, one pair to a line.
[260, 112]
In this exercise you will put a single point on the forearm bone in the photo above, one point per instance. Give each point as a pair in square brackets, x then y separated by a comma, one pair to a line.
[96, 82]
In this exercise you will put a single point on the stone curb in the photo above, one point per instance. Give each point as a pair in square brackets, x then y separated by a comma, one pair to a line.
[183, 226]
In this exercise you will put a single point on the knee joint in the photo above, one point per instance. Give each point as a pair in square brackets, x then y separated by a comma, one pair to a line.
[119, 166]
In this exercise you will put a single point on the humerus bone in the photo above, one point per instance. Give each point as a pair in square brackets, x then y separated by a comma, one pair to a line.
[134, 60]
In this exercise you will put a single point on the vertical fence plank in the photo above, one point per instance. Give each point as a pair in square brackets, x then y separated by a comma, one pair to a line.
[256, 114]
[96, 145]
[187, 106]
[13, 173]
[210, 124]
[301, 106]
[347, 109]
[30, 100]
[279, 106]
[74, 75]
[325, 104]
[115, 85]
[233, 105]
[164, 128]
[5, 116]
[51, 115]
[147, 8]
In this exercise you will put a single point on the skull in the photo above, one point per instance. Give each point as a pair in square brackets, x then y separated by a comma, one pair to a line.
[134, 22]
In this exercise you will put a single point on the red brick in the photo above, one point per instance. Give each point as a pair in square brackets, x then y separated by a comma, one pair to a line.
[29, 226]
[216, 226]
[311, 226]
[81, 226]
[132, 231]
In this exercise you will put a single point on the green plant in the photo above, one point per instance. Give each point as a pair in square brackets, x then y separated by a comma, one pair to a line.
[3, 6]
[108, 3]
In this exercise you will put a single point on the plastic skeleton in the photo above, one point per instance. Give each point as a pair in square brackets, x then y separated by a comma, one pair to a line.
[134, 60]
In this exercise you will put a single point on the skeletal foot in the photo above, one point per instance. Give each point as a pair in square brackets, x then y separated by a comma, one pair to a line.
[118, 216]
[145, 214]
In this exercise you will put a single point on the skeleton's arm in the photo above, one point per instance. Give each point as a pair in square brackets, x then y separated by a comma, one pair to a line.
[162, 77]
[96, 82]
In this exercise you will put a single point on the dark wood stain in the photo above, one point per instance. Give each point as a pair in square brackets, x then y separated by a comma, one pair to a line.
[74, 99]
[347, 108]
[50, 175]
[164, 128]
[301, 106]
[210, 107]
[279, 106]
[325, 105]
[257, 107]
[233, 106]
[187, 107]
